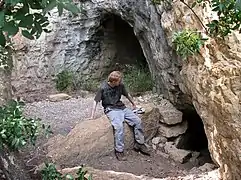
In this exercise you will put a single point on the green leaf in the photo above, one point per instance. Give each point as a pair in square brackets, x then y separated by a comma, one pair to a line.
[68, 176]
[72, 8]
[50, 6]
[27, 21]
[45, 24]
[35, 4]
[12, 2]
[10, 28]
[22, 11]
[26, 34]
[194, 4]
[38, 27]
[34, 30]
[43, 20]
[2, 39]
[44, 3]
[238, 4]
[46, 30]
[90, 177]
[2, 18]
[60, 9]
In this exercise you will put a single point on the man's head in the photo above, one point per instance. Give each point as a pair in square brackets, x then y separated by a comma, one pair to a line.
[114, 78]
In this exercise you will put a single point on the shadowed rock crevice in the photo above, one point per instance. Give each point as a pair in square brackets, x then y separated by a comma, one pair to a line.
[195, 138]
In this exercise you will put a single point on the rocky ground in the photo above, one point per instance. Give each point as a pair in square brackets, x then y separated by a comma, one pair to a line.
[64, 115]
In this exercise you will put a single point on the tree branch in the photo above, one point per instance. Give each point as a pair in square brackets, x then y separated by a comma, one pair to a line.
[195, 15]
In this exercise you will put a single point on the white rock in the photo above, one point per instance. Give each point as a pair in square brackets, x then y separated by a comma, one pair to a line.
[173, 131]
[178, 155]
[154, 146]
[58, 97]
[170, 115]
[156, 140]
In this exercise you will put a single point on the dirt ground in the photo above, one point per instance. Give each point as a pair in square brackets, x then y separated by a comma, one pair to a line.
[138, 164]
[62, 116]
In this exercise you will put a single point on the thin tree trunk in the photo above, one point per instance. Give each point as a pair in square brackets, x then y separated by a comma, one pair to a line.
[10, 164]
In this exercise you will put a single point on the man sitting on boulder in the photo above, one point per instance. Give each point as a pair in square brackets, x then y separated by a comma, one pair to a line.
[110, 94]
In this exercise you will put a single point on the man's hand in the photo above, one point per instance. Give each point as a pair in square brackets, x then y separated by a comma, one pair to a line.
[133, 106]
[93, 110]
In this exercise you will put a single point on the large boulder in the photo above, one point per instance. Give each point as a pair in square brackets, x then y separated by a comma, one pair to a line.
[178, 155]
[170, 115]
[93, 138]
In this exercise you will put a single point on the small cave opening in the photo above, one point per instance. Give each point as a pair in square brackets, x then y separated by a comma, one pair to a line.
[120, 46]
[195, 138]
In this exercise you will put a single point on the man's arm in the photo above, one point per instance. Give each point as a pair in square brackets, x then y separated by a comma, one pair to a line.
[128, 96]
[131, 100]
[93, 109]
[97, 99]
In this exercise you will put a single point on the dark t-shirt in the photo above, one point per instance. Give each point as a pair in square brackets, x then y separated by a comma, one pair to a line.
[110, 96]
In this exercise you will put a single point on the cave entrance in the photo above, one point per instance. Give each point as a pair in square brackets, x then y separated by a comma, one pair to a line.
[195, 138]
[121, 50]
[123, 43]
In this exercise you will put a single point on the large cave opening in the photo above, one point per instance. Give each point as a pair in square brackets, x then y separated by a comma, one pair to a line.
[121, 50]
[122, 42]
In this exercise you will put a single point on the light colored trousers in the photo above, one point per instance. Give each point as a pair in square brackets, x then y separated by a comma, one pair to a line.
[117, 118]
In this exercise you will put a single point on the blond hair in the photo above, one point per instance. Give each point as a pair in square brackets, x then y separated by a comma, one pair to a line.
[114, 76]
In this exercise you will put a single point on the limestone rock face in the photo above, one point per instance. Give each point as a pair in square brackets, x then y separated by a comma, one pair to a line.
[213, 81]
[84, 44]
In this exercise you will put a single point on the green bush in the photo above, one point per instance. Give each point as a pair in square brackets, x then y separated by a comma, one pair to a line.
[138, 79]
[50, 173]
[187, 42]
[64, 80]
[91, 85]
[15, 129]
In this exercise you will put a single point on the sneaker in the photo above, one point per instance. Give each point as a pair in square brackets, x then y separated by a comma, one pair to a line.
[142, 148]
[138, 111]
[120, 156]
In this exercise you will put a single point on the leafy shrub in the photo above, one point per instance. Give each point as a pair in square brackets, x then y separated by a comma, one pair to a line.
[50, 173]
[80, 81]
[229, 16]
[91, 85]
[64, 80]
[187, 42]
[137, 79]
[16, 130]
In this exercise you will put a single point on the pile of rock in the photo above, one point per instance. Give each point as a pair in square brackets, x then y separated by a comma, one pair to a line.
[171, 128]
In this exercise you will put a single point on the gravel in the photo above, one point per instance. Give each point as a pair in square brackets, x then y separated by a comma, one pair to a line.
[64, 115]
